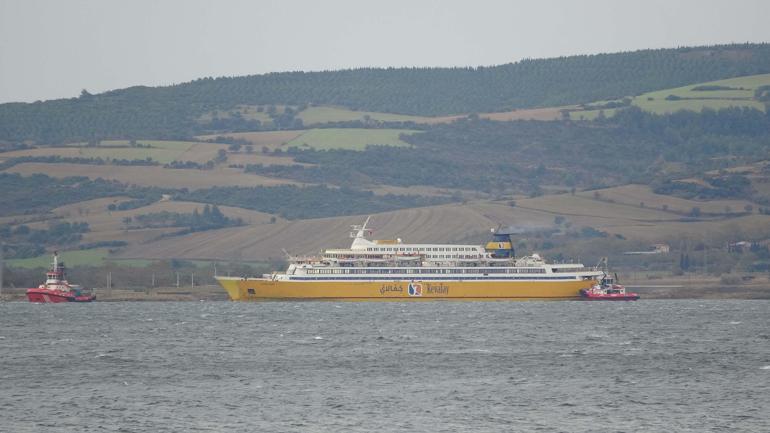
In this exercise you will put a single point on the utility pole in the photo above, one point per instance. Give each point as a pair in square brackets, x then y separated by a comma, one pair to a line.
[153, 280]
[177, 280]
[109, 280]
[192, 280]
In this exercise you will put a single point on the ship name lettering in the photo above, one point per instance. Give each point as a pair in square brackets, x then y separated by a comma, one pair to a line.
[438, 289]
[391, 288]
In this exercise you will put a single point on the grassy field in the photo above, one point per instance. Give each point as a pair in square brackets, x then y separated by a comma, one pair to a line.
[160, 151]
[151, 176]
[740, 94]
[349, 138]
[326, 138]
[269, 139]
[635, 195]
[93, 257]
[324, 114]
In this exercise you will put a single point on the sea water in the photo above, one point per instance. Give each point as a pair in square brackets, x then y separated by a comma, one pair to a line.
[652, 366]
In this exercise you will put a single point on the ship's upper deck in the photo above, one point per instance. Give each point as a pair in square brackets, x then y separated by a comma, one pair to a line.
[393, 256]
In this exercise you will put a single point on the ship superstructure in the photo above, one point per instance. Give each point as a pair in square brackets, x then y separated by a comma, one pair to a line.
[392, 269]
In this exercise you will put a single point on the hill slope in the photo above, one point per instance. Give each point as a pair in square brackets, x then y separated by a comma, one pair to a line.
[173, 111]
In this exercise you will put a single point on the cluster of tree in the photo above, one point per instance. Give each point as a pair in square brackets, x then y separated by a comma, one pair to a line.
[631, 147]
[102, 244]
[208, 165]
[211, 218]
[714, 88]
[228, 139]
[9, 146]
[145, 200]
[286, 120]
[232, 124]
[23, 241]
[293, 202]
[625, 102]
[39, 193]
[174, 111]
[56, 159]
[731, 186]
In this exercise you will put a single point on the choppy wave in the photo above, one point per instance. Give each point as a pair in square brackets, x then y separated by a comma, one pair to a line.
[361, 367]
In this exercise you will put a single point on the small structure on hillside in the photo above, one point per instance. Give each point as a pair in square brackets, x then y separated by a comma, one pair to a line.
[656, 249]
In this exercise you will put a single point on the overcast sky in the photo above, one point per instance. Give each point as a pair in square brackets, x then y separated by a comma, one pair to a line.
[53, 49]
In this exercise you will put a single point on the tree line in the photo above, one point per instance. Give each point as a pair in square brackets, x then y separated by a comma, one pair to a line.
[173, 112]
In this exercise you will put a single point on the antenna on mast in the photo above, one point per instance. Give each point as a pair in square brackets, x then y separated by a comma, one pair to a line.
[359, 231]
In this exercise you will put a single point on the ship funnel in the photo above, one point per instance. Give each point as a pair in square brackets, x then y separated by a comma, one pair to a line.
[501, 245]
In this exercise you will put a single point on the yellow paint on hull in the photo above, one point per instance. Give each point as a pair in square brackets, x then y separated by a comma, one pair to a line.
[261, 289]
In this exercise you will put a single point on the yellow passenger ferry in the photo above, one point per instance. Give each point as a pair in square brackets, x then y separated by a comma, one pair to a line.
[393, 270]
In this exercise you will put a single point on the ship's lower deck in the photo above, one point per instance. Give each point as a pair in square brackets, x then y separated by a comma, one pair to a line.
[260, 289]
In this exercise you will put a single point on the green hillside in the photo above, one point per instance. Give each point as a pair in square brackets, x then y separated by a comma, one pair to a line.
[744, 92]
[733, 92]
[179, 111]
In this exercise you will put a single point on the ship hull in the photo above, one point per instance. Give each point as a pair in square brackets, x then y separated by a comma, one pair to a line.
[258, 289]
[45, 296]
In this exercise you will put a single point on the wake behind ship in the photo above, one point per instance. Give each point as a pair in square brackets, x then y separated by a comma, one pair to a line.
[392, 270]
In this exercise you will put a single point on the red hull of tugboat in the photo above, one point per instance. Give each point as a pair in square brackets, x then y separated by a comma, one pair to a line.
[598, 294]
[55, 296]
[608, 296]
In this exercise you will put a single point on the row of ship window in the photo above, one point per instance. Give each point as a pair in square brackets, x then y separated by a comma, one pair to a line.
[422, 249]
[429, 271]
[447, 278]
[431, 256]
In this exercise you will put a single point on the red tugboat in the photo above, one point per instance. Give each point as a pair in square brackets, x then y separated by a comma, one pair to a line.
[56, 288]
[607, 290]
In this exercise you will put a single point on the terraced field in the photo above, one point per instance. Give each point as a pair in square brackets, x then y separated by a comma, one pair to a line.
[448, 223]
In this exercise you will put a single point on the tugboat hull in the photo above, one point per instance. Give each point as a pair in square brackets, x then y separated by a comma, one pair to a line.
[590, 295]
[45, 296]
